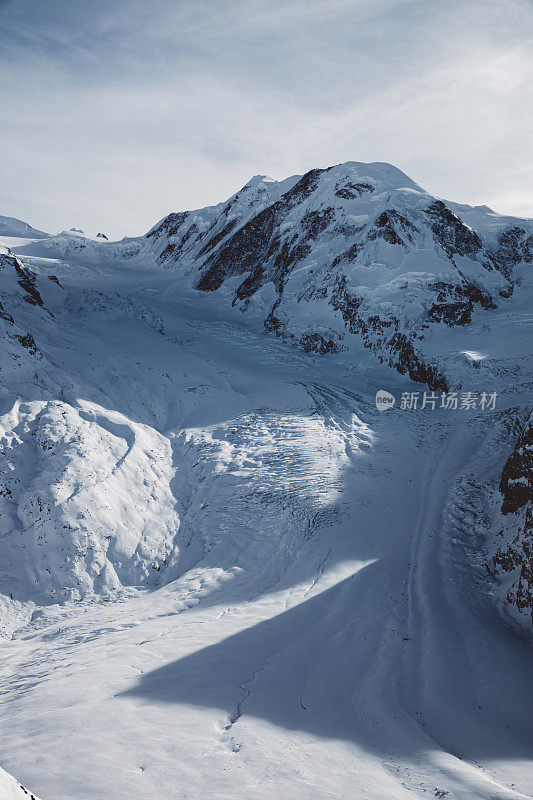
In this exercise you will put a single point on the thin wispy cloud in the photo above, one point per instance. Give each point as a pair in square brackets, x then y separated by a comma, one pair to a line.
[115, 114]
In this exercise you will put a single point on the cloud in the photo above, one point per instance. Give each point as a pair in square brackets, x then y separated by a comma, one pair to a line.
[115, 114]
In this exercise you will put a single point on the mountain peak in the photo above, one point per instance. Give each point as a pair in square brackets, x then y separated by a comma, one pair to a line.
[380, 171]
[257, 180]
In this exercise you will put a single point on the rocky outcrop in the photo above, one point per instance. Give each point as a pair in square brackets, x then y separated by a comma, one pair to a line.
[392, 226]
[19, 287]
[169, 226]
[5, 316]
[451, 233]
[26, 279]
[13, 268]
[512, 562]
[455, 303]
[516, 484]
[514, 245]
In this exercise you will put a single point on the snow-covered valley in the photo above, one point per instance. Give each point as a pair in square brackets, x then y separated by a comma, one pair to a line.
[224, 573]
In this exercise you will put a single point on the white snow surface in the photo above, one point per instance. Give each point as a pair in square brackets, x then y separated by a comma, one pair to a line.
[12, 227]
[224, 574]
[11, 789]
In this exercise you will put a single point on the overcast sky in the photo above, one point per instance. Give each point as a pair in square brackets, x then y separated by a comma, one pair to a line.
[116, 112]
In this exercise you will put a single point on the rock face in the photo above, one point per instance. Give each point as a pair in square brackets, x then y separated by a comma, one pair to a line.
[19, 287]
[512, 562]
[353, 249]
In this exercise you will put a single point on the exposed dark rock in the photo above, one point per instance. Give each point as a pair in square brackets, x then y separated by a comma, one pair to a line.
[352, 190]
[348, 255]
[5, 316]
[455, 303]
[217, 238]
[274, 242]
[28, 342]
[347, 304]
[514, 246]
[305, 186]
[284, 260]
[101, 236]
[170, 225]
[386, 227]
[375, 333]
[316, 221]
[175, 249]
[316, 343]
[272, 323]
[514, 559]
[168, 251]
[453, 235]
[409, 363]
[518, 558]
[516, 483]
[26, 279]
[245, 251]
[250, 285]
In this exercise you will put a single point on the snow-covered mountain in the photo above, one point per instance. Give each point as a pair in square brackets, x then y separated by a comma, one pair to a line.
[359, 248]
[221, 567]
[9, 226]
[354, 249]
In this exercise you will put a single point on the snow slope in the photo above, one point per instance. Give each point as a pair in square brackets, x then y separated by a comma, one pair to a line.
[11, 789]
[11, 227]
[224, 573]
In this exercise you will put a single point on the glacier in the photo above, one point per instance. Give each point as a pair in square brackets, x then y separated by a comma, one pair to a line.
[224, 573]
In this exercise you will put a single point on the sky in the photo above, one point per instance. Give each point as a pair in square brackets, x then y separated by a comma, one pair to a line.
[117, 113]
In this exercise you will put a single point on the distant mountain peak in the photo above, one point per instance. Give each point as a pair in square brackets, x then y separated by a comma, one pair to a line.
[258, 179]
[13, 227]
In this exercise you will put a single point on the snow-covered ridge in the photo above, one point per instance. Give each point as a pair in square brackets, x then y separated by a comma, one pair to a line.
[12, 227]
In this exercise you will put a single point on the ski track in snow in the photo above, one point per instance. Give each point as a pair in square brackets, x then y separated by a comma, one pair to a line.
[312, 633]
